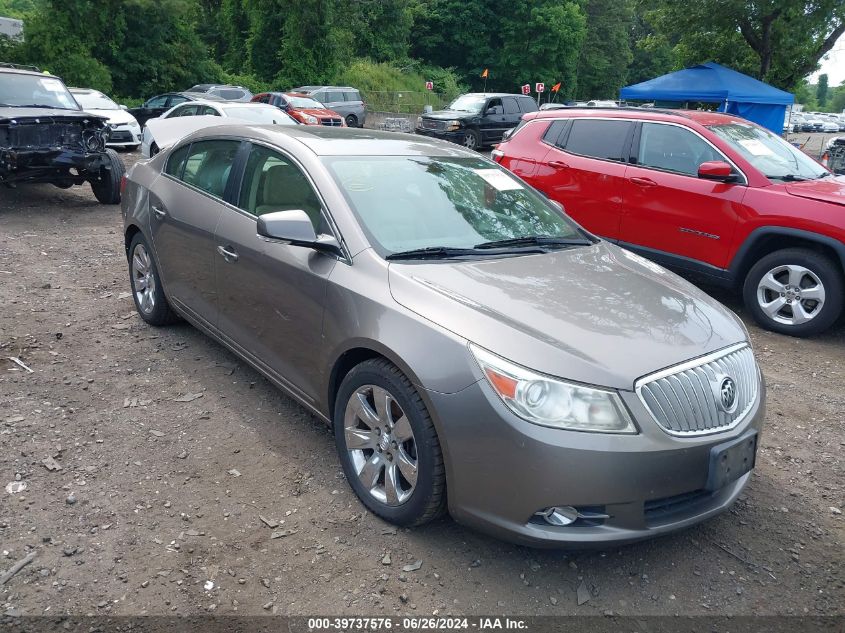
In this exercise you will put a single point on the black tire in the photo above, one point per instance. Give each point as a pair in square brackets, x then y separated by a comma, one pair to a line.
[153, 150]
[472, 140]
[825, 270]
[351, 120]
[160, 313]
[107, 188]
[427, 500]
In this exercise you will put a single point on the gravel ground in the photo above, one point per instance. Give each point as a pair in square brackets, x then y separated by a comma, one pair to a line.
[179, 465]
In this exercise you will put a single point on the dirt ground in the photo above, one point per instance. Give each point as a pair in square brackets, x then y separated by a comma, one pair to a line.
[173, 454]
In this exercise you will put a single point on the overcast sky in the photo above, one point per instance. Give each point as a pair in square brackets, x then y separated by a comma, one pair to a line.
[833, 64]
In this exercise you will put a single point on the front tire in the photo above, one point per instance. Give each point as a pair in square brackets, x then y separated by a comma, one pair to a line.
[388, 446]
[472, 140]
[351, 120]
[795, 291]
[147, 291]
[107, 188]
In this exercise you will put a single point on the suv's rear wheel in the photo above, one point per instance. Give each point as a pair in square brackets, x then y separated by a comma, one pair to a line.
[388, 446]
[795, 291]
[107, 188]
[351, 120]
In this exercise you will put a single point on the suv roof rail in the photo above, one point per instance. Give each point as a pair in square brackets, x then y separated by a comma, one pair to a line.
[35, 69]
[628, 108]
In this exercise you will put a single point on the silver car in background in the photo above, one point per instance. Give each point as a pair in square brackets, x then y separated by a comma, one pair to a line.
[470, 345]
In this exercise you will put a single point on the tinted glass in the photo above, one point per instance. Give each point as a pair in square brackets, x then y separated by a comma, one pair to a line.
[156, 102]
[674, 149]
[273, 183]
[352, 96]
[553, 133]
[510, 105]
[410, 202]
[527, 104]
[334, 96]
[208, 165]
[600, 139]
[176, 161]
[229, 94]
[177, 99]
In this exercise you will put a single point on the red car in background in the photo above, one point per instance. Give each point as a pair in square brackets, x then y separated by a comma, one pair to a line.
[302, 108]
[702, 192]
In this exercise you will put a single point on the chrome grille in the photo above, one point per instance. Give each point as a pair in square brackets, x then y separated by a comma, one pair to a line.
[686, 399]
[433, 124]
[334, 122]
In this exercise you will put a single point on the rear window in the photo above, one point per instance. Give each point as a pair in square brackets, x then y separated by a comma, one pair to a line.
[553, 133]
[598, 138]
[230, 94]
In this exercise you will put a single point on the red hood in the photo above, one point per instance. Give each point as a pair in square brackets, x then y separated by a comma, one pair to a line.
[320, 113]
[827, 190]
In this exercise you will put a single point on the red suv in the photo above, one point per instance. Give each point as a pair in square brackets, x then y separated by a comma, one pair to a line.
[701, 192]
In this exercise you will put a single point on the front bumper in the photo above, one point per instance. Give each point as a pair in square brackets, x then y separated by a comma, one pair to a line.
[455, 136]
[50, 165]
[501, 470]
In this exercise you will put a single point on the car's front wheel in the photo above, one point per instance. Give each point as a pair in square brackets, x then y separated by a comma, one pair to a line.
[388, 446]
[795, 291]
[351, 120]
[107, 187]
[147, 291]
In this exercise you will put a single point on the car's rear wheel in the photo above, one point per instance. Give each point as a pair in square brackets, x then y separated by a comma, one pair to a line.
[107, 188]
[388, 446]
[351, 120]
[472, 140]
[795, 291]
[147, 291]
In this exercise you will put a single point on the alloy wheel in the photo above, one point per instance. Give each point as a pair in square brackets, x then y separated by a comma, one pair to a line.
[791, 294]
[469, 141]
[143, 279]
[381, 445]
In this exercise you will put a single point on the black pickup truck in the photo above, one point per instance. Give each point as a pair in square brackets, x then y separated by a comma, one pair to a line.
[46, 137]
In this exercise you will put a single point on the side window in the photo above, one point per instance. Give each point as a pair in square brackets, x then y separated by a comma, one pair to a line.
[176, 161]
[188, 110]
[674, 149]
[273, 183]
[527, 104]
[208, 111]
[334, 96]
[352, 96]
[320, 96]
[176, 100]
[598, 138]
[553, 133]
[156, 102]
[208, 164]
[494, 106]
[510, 105]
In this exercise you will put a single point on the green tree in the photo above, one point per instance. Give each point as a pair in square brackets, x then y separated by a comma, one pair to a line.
[606, 52]
[837, 99]
[821, 91]
[779, 41]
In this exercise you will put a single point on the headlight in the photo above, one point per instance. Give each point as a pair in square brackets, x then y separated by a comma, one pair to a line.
[310, 120]
[453, 125]
[553, 402]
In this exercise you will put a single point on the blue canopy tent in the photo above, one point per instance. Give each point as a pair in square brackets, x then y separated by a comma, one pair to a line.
[711, 83]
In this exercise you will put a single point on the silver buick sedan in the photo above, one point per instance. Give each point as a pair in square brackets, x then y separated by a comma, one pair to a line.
[473, 348]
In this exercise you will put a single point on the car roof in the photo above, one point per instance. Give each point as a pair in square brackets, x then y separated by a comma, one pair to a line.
[311, 88]
[495, 94]
[339, 141]
[646, 114]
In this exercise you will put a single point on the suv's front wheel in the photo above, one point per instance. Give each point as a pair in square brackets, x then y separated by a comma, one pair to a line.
[795, 291]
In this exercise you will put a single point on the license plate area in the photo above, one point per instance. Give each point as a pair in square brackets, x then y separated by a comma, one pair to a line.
[731, 460]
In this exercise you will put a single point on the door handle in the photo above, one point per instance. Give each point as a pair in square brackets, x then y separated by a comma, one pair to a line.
[643, 182]
[558, 164]
[159, 212]
[228, 255]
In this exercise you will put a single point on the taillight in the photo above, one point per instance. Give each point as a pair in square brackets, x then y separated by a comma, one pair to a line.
[497, 155]
[826, 159]
[122, 184]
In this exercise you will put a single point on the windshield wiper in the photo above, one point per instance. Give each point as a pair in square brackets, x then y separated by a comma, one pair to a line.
[41, 105]
[535, 240]
[446, 252]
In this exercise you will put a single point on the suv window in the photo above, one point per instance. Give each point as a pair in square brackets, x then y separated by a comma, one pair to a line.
[320, 96]
[273, 183]
[598, 138]
[527, 104]
[352, 96]
[673, 148]
[208, 164]
[176, 161]
[493, 103]
[334, 96]
[553, 133]
[510, 105]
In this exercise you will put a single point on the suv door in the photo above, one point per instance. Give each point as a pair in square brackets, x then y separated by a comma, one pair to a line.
[584, 170]
[668, 208]
[336, 100]
[272, 293]
[492, 126]
[512, 114]
[183, 216]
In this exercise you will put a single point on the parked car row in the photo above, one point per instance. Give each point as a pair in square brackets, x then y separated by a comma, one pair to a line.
[816, 122]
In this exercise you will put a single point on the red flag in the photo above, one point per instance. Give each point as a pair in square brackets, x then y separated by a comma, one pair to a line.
[556, 87]
[484, 74]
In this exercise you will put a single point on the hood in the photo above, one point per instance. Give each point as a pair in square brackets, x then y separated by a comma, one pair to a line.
[448, 115]
[117, 117]
[165, 132]
[44, 113]
[318, 112]
[826, 190]
[599, 315]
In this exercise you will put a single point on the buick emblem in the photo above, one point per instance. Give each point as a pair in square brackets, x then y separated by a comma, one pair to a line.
[727, 394]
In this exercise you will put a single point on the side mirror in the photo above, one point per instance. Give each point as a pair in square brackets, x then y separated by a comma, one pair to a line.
[507, 134]
[716, 170]
[295, 226]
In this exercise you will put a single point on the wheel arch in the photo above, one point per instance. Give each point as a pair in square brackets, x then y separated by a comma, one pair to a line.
[768, 239]
[128, 235]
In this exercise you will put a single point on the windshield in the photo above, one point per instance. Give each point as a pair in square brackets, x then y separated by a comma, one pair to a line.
[95, 101]
[768, 153]
[305, 102]
[415, 202]
[35, 90]
[260, 114]
[467, 103]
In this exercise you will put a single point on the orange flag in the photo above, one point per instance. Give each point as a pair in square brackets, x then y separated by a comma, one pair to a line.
[484, 74]
[556, 87]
